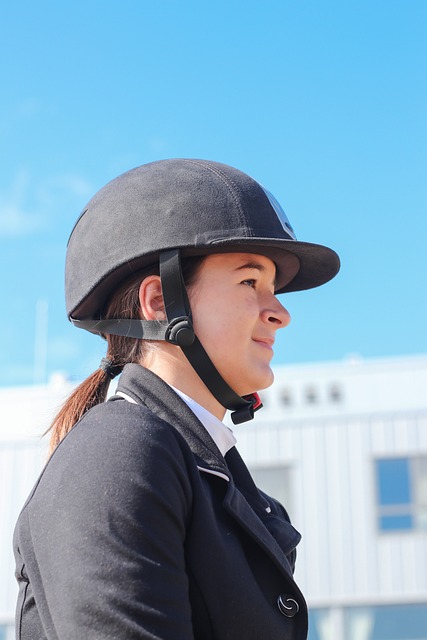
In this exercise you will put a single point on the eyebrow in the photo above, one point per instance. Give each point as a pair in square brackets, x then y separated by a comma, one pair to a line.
[254, 265]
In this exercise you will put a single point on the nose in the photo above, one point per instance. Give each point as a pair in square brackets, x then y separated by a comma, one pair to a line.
[275, 313]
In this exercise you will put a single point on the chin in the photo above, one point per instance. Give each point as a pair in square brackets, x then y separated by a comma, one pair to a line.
[266, 384]
[257, 383]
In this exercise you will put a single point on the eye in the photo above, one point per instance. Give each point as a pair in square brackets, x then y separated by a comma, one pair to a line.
[251, 282]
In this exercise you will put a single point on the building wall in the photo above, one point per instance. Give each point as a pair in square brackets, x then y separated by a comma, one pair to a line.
[25, 414]
[316, 445]
[331, 446]
[333, 502]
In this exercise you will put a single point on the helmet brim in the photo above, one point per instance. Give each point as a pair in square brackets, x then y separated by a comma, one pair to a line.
[300, 265]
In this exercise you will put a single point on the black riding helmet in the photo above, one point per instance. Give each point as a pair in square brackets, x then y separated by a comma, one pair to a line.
[161, 211]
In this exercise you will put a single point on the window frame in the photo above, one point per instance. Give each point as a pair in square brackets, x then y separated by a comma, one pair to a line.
[412, 512]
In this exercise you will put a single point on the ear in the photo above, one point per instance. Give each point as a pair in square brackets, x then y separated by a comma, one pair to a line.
[151, 298]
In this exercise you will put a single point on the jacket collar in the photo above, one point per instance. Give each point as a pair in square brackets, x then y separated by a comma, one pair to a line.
[243, 500]
[146, 388]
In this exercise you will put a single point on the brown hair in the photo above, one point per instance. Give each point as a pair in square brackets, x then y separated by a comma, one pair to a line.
[124, 303]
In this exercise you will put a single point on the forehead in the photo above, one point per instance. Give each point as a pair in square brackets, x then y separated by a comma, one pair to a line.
[235, 261]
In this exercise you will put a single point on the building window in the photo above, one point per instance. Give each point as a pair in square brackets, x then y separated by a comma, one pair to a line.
[286, 397]
[275, 482]
[321, 625]
[7, 632]
[402, 493]
[335, 393]
[397, 622]
[310, 395]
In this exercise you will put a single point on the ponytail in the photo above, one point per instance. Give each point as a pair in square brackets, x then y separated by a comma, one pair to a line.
[121, 351]
[89, 393]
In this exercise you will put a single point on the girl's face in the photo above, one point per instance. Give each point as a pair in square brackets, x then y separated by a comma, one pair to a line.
[236, 316]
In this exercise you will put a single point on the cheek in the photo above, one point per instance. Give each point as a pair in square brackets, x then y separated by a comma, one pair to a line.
[210, 323]
[223, 317]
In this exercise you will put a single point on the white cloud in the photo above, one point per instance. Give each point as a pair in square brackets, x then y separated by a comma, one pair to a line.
[27, 206]
[74, 184]
[17, 217]
[56, 189]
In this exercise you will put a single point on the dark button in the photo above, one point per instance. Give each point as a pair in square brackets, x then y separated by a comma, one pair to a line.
[287, 606]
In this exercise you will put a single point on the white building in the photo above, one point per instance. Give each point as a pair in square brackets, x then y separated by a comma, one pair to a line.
[343, 445]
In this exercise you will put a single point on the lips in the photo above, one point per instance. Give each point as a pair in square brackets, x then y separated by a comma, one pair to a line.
[266, 342]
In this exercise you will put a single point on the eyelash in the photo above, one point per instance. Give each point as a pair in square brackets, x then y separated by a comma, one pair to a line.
[251, 281]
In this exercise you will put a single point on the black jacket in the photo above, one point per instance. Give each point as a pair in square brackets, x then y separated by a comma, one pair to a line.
[138, 529]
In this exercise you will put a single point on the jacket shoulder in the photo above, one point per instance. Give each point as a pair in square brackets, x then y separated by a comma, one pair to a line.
[115, 446]
[115, 499]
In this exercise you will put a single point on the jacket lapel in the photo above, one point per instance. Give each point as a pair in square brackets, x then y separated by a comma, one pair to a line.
[247, 494]
[242, 501]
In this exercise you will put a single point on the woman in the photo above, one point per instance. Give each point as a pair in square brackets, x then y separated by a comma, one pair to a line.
[145, 523]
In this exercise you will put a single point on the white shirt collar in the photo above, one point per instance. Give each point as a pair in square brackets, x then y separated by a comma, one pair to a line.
[219, 432]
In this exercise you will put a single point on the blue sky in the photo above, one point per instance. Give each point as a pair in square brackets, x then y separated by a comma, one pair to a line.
[323, 102]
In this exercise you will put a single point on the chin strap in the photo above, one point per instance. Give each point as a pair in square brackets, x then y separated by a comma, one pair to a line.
[181, 332]
[178, 330]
